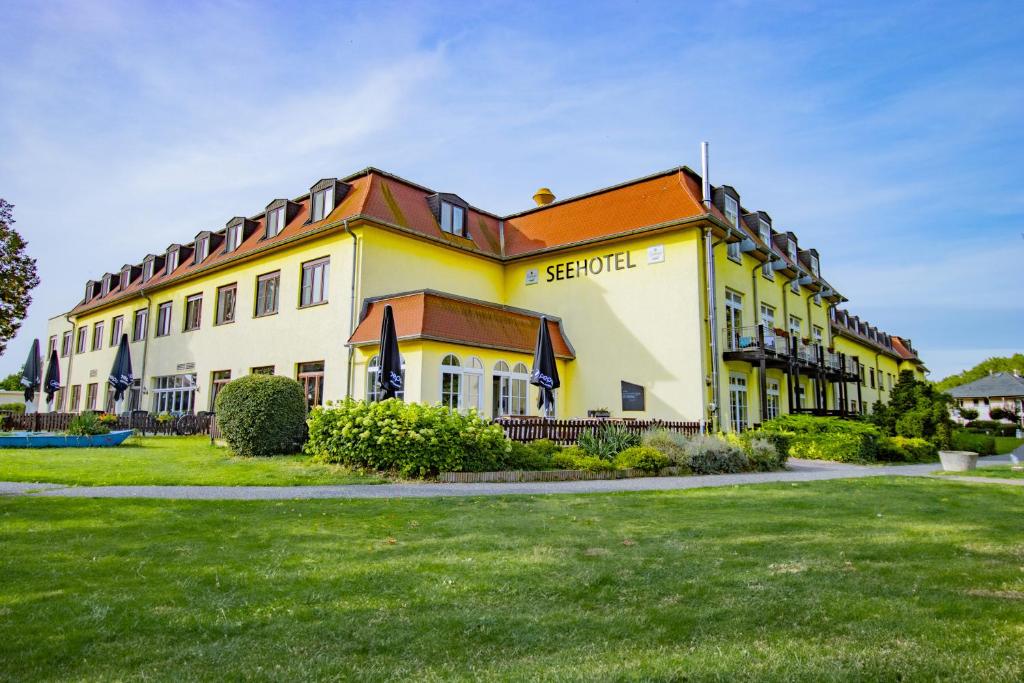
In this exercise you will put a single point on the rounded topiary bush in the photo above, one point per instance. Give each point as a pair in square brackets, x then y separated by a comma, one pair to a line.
[262, 415]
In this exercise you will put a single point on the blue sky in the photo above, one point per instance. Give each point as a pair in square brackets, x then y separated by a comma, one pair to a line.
[887, 135]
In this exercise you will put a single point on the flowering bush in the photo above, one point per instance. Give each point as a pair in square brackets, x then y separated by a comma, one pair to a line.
[409, 438]
[108, 419]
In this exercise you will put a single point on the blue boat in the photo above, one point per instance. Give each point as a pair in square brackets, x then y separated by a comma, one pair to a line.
[54, 440]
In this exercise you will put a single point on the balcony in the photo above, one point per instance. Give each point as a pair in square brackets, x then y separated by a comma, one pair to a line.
[757, 343]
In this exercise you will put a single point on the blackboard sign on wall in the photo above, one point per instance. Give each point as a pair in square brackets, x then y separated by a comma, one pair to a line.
[632, 396]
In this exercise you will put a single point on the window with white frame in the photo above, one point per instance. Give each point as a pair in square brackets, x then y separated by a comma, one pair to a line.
[817, 334]
[147, 270]
[226, 297]
[451, 382]
[172, 261]
[163, 319]
[473, 384]
[314, 282]
[65, 345]
[267, 287]
[373, 390]
[765, 231]
[233, 238]
[139, 324]
[771, 408]
[453, 219]
[323, 203]
[275, 221]
[732, 212]
[116, 327]
[768, 324]
[202, 249]
[193, 312]
[509, 389]
[814, 264]
[80, 342]
[737, 402]
[733, 319]
[174, 394]
[794, 326]
[97, 336]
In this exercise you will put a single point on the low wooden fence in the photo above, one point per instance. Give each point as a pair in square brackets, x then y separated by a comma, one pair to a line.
[521, 476]
[568, 431]
[186, 425]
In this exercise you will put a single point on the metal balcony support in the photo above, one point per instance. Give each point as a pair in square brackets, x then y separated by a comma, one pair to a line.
[860, 399]
[762, 374]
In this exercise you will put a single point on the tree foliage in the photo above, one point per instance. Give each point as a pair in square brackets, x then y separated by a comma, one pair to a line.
[11, 382]
[17, 276]
[982, 369]
[916, 409]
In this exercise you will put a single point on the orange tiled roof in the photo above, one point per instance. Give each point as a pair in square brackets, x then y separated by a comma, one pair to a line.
[649, 201]
[905, 352]
[443, 317]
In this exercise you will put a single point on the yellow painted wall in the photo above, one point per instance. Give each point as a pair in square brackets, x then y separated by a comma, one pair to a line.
[249, 341]
[640, 324]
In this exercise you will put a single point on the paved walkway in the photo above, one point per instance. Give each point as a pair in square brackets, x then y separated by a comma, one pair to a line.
[799, 471]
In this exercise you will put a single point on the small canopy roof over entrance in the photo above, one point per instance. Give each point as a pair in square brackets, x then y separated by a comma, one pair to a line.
[436, 316]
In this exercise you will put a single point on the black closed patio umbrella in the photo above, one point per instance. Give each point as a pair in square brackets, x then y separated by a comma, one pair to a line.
[389, 372]
[121, 372]
[51, 383]
[545, 372]
[31, 372]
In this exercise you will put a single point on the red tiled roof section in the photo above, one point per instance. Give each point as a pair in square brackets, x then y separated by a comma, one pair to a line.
[351, 205]
[652, 201]
[432, 315]
[900, 348]
[399, 203]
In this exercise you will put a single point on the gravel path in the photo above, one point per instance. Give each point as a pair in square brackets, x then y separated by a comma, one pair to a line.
[799, 471]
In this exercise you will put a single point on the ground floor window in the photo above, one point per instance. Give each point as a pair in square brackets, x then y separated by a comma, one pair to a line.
[738, 402]
[174, 394]
[771, 408]
[311, 377]
[218, 380]
[76, 395]
[451, 382]
[91, 392]
[262, 370]
[473, 384]
[510, 388]
[373, 390]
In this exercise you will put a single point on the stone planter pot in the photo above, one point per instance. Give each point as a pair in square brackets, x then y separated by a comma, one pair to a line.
[958, 461]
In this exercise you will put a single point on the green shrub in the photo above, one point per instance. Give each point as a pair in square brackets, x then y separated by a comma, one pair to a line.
[87, 424]
[575, 458]
[969, 413]
[262, 414]
[992, 428]
[607, 441]
[906, 449]
[528, 456]
[982, 444]
[671, 444]
[12, 408]
[707, 454]
[413, 439]
[826, 438]
[763, 456]
[646, 458]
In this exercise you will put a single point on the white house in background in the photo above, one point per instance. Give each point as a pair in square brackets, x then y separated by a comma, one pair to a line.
[999, 390]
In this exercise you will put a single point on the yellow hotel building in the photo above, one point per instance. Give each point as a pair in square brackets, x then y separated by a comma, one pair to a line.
[665, 296]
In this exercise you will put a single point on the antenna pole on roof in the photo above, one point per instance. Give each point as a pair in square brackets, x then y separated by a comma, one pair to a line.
[705, 181]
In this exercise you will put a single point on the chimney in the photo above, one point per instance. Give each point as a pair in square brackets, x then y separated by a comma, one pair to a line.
[543, 196]
[705, 178]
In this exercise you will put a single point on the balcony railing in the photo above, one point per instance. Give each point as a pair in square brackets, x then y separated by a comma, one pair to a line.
[755, 338]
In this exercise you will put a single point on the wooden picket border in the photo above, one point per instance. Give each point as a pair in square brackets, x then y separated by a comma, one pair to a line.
[186, 425]
[566, 432]
[522, 476]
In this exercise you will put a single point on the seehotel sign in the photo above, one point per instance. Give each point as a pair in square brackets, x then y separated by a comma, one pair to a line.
[593, 266]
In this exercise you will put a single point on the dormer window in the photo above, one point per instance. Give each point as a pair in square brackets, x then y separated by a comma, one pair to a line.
[90, 290]
[105, 287]
[202, 249]
[276, 219]
[732, 213]
[765, 231]
[232, 238]
[323, 203]
[791, 249]
[126, 277]
[813, 260]
[172, 261]
[147, 269]
[453, 219]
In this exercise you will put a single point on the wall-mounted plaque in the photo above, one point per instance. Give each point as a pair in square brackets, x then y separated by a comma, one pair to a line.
[632, 396]
[531, 276]
[656, 254]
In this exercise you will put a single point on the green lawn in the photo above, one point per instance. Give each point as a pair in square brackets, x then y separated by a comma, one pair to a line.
[998, 471]
[869, 579]
[1007, 444]
[166, 460]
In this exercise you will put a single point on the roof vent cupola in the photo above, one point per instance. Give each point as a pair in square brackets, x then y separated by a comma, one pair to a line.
[543, 196]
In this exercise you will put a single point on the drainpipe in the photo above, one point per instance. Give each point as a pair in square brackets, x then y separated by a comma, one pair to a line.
[709, 266]
[145, 345]
[71, 358]
[352, 310]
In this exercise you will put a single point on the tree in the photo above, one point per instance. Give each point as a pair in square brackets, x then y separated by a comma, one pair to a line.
[983, 369]
[17, 276]
[915, 409]
[11, 382]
